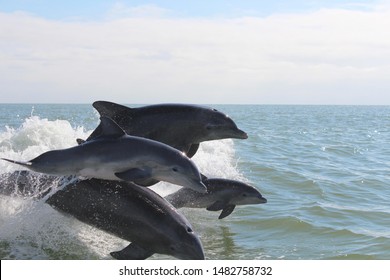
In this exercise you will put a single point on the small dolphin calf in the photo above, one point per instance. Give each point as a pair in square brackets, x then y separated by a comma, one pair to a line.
[177, 125]
[222, 194]
[133, 213]
[114, 155]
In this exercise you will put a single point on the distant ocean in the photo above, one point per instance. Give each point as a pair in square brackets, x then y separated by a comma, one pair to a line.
[325, 171]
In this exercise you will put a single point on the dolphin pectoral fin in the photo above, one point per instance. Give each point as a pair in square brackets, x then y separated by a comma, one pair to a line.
[146, 182]
[134, 174]
[192, 151]
[132, 252]
[216, 206]
[227, 211]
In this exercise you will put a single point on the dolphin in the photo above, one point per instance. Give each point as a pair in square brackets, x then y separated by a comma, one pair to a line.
[114, 155]
[178, 125]
[222, 194]
[133, 213]
[121, 208]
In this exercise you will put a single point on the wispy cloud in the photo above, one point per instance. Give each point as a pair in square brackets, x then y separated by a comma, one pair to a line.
[143, 55]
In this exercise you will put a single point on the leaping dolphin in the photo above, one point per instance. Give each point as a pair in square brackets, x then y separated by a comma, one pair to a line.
[222, 194]
[114, 155]
[133, 213]
[177, 125]
[123, 209]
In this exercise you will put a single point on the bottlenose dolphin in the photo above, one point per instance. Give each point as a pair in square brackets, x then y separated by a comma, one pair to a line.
[133, 213]
[177, 125]
[123, 209]
[222, 194]
[114, 155]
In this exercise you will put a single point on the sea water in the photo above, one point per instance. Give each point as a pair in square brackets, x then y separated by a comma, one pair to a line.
[323, 169]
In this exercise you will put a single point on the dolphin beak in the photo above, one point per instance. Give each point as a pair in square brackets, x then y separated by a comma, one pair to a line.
[191, 248]
[196, 250]
[262, 199]
[199, 254]
[239, 134]
[198, 186]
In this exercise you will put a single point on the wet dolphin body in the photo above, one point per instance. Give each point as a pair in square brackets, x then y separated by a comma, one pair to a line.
[114, 155]
[133, 213]
[123, 209]
[177, 125]
[222, 194]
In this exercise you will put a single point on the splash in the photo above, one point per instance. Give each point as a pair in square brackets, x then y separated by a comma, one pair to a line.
[36, 136]
[31, 229]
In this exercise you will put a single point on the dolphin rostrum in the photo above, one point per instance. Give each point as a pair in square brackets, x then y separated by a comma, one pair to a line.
[222, 194]
[133, 213]
[178, 125]
[114, 155]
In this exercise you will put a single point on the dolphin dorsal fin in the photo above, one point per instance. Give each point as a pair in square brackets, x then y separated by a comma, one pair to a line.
[110, 109]
[110, 128]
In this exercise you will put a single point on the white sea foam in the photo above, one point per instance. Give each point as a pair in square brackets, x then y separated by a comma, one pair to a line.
[34, 137]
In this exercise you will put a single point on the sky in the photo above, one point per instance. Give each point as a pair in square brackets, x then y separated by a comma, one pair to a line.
[203, 52]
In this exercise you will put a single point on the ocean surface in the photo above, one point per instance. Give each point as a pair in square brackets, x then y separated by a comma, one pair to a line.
[323, 169]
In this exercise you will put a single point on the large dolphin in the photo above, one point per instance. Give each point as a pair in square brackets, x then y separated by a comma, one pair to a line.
[177, 125]
[123, 209]
[222, 194]
[114, 155]
[133, 213]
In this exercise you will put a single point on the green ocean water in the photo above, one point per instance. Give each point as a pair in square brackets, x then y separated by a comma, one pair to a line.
[323, 169]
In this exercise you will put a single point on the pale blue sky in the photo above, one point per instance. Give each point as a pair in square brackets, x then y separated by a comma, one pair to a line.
[97, 9]
[232, 51]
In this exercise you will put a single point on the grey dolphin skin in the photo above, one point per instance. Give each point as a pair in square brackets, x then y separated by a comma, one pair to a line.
[177, 125]
[133, 213]
[222, 194]
[114, 155]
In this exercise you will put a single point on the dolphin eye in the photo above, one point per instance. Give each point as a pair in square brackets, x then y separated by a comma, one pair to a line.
[174, 169]
[208, 127]
[189, 229]
[215, 110]
[244, 195]
[172, 248]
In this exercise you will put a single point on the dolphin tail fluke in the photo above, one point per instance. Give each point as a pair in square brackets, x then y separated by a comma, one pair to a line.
[26, 164]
